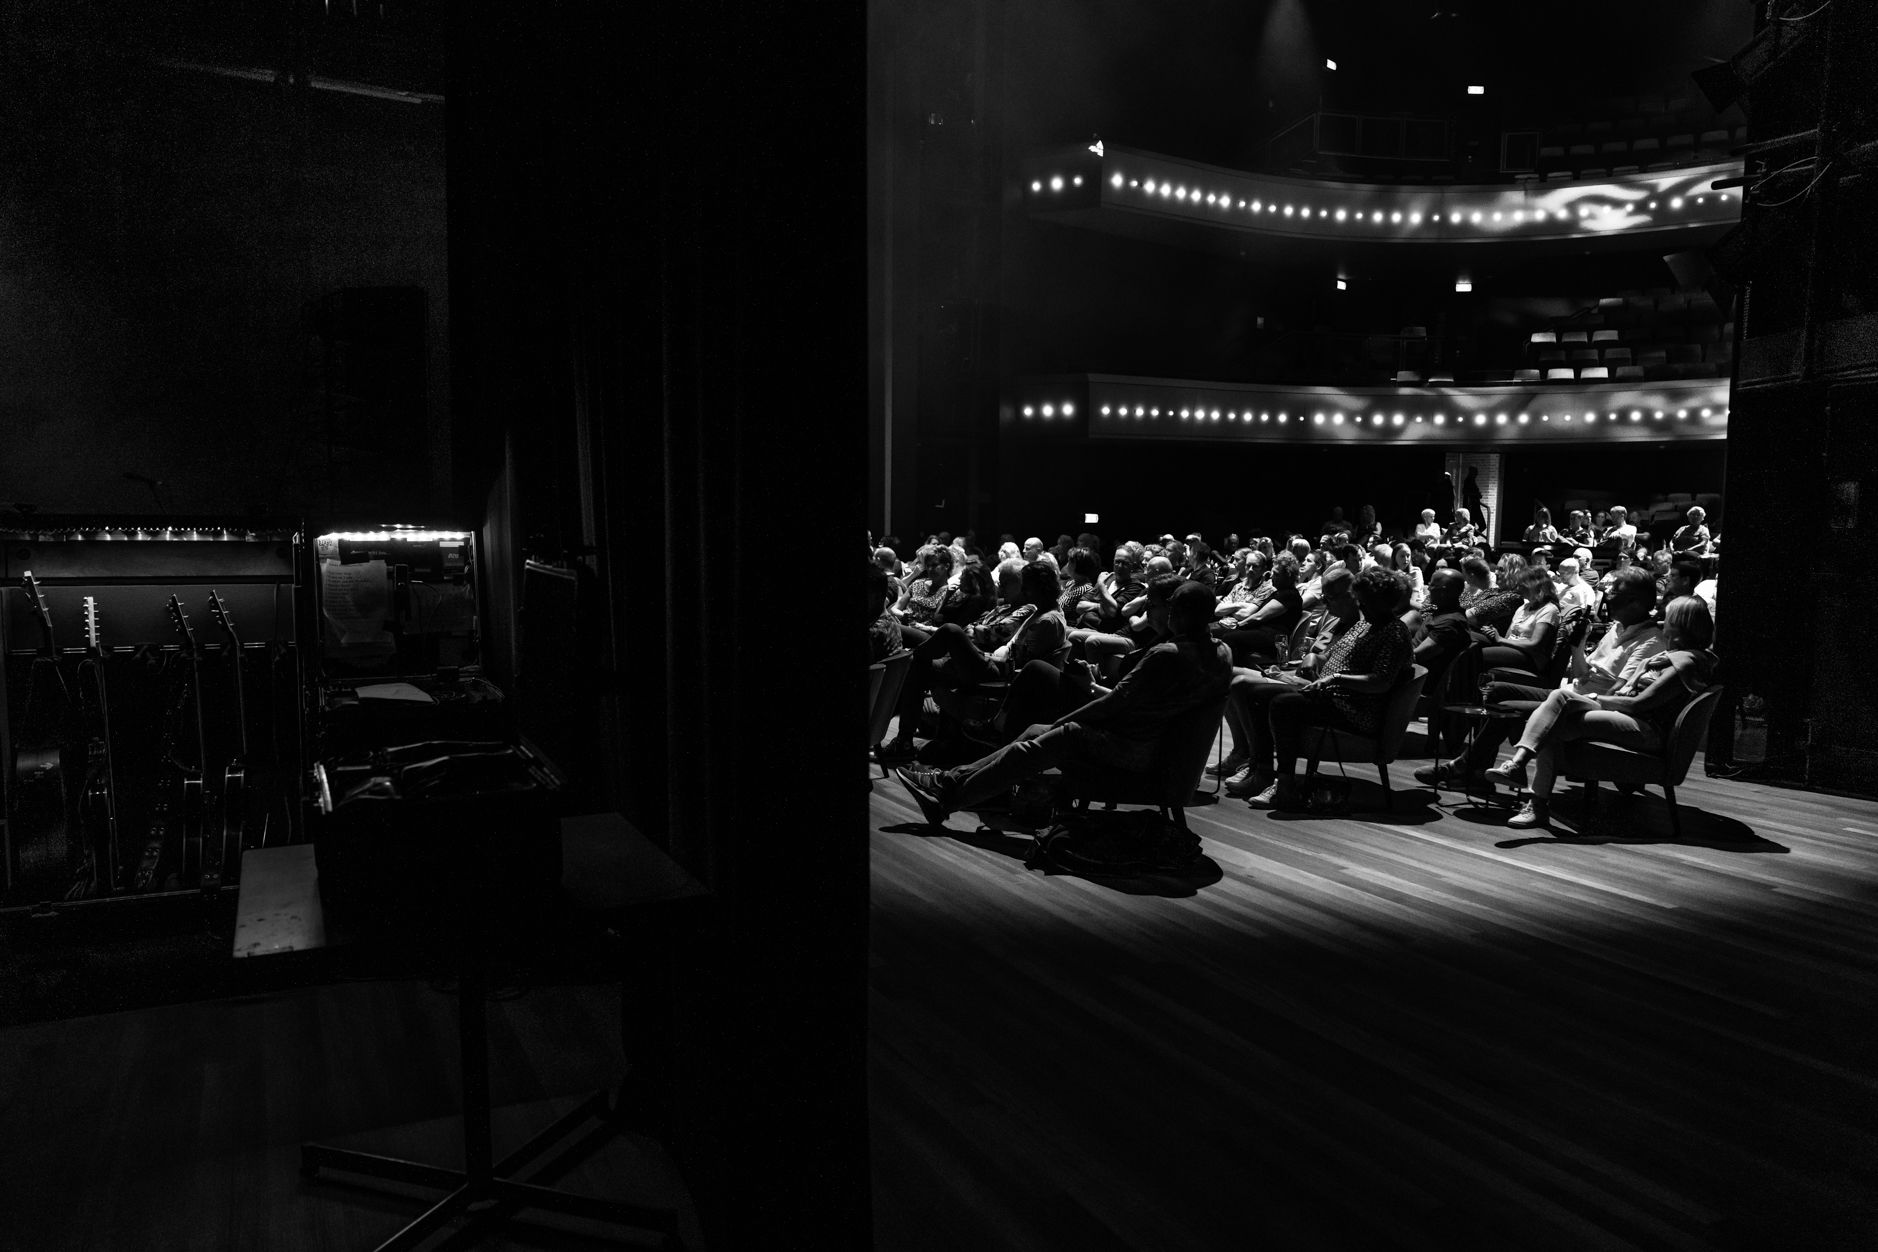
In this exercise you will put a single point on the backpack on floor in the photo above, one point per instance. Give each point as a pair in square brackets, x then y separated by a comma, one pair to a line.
[1098, 843]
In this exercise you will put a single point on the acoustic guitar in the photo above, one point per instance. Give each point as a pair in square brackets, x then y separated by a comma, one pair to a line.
[194, 809]
[98, 867]
[42, 840]
[221, 859]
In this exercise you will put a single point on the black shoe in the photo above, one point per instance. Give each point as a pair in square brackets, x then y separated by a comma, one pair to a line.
[927, 786]
[1440, 774]
[900, 749]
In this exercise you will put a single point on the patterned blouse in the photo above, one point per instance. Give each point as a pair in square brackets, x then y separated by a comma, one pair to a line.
[923, 606]
[1067, 602]
[1368, 649]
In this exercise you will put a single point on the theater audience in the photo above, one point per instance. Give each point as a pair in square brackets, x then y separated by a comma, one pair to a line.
[1615, 661]
[1478, 576]
[1250, 765]
[1264, 628]
[1121, 730]
[974, 594]
[1134, 630]
[1637, 712]
[1541, 530]
[1083, 601]
[927, 591]
[1622, 531]
[1578, 529]
[1461, 533]
[1402, 561]
[1352, 685]
[1429, 531]
[1495, 609]
[1368, 531]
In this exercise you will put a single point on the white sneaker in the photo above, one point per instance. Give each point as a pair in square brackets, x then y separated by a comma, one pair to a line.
[1227, 765]
[1531, 813]
[1243, 783]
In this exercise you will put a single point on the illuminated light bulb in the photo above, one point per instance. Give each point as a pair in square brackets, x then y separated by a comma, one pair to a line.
[1676, 203]
[1183, 413]
[1056, 183]
[1077, 181]
[1463, 284]
[1480, 419]
[1068, 409]
[1701, 199]
[1636, 414]
[1049, 410]
[1338, 420]
[1329, 64]
[1376, 216]
[1523, 419]
[1476, 89]
[1148, 186]
[1281, 418]
[1415, 219]
[1318, 418]
[1612, 415]
[1209, 197]
[1568, 417]
[1418, 418]
[1475, 219]
[1105, 410]
[1341, 214]
[1216, 415]
[1157, 412]
[1287, 210]
[1265, 417]
[1545, 417]
[1396, 420]
[1440, 420]
[1181, 194]
[1652, 204]
[1499, 419]
[1395, 217]
[1115, 180]
[1563, 215]
[1682, 412]
[1258, 207]
[1242, 204]
[1232, 417]
[1167, 189]
[1134, 182]
[1591, 416]
[1342, 285]
[1454, 217]
[1497, 215]
[1705, 412]
[1029, 410]
[1657, 416]
[1036, 185]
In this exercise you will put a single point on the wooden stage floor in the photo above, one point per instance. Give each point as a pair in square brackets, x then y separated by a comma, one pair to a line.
[1416, 1029]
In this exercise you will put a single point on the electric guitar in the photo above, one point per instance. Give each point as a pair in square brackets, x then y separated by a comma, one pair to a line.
[222, 860]
[39, 814]
[193, 806]
[96, 867]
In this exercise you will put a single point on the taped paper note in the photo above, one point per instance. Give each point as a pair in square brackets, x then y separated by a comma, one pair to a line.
[357, 601]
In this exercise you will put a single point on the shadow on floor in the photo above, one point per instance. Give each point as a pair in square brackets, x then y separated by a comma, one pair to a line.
[1644, 819]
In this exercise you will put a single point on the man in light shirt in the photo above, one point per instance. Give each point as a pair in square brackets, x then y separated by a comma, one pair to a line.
[1574, 592]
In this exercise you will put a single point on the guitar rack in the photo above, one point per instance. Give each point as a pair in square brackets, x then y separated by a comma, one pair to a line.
[165, 703]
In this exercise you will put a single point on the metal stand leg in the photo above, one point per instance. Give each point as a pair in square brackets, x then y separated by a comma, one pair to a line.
[481, 1180]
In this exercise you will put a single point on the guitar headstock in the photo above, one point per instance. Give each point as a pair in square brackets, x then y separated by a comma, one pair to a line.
[180, 620]
[37, 598]
[93, 639]
[223, 618]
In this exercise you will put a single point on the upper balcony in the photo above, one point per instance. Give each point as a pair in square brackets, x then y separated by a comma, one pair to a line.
[1193, 205]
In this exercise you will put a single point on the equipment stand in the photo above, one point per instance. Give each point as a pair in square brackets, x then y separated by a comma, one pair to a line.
[480, 1181]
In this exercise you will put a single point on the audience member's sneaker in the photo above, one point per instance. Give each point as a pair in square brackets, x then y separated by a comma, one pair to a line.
[1531, 813]
[1248, 781]
[1511, 775]
[1440, 774]
[1282, 796]
[900, 748]
[929, 787]
[1228, 765]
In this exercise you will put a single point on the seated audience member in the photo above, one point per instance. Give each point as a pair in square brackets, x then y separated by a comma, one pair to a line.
[1637, 713]
[1402, 561]
[1248, 766]
[1033, 548]
[1120, 730]
[1335, 523]
[1461, 534]
[1693, 536]
[1368, 531]
[1352, 685]
[1600, 525]
[1121, 582]
[926, 592]
[1134, 630]
[1007, 550]
[1541, 530]
[1578, 528]
[1246, 588]
[1478, 577]
[1429, 531]
[1496, 608]
[1622, 532]
[1264, 628]
[884, 635]
[1615, 661]
[1060, 550]
[1541, 558]
[958, 656]
[1527, 641]
[1041, 635]
[974, 595]
[1705, 590]
[1681, 579]
[1574, 594]
[889, 560]
[1083, 601]
[1379, 556]
[1445, 635]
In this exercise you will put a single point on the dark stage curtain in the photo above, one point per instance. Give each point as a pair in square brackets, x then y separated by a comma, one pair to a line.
[657, 242]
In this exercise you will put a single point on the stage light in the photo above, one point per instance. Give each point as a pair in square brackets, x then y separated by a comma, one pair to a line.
[1148, 186]
[1499, 419]
[1096, 147]
[1265, 417]
[1183, 414]
[1242, 204]
[1341, 215]
[1454, 218]
[1475, 89]
[1138, 411]
[1568, 417]
[1342, 286]
[1682, 412]
[1480, 419]
[1134, 182]
[1216, 415]
[1475, 219]
[1705, 412]
[1029, 410]
[1049, 410]
[1105, 410]
[1036, 185]
[1653, 204]
[1257, 207]
[1496, 215]
[1418, 418]
[1376, 216]
[1077, 180]
[1338, 420]
[1612, 416]
[1415, 219]
[1167, 189]
[1318, 418]
[1440, 420]
[1181, 194]
[1563, 216]
[1463, 284]
[1281, 416]
[1056, 183]
[1068, 409]
[1396, 420]
[1115, 180]
[1591, 416]
[1287, 210]
[1657, 416]
[1329, 64]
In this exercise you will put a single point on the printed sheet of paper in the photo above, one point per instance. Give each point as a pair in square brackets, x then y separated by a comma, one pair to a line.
[396, 691]
[357, 600]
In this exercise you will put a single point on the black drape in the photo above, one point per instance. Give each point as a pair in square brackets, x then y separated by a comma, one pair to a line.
[657, 217]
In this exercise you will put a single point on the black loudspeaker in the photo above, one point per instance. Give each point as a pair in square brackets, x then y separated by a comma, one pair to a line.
[1844, 704]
